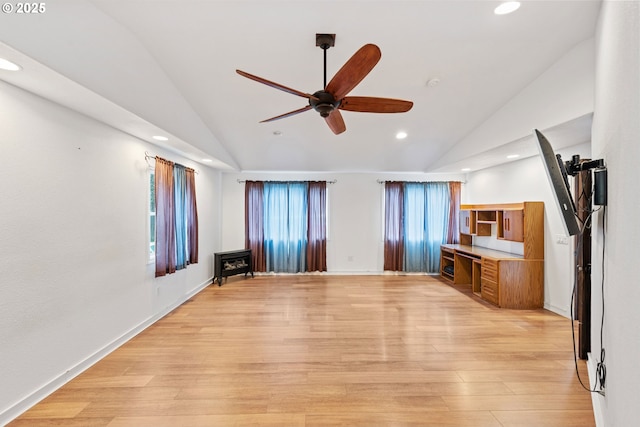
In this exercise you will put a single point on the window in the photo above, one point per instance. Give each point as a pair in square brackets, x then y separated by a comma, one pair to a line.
[176, 217]
[414, 208]
[417, 222]
[285, 224]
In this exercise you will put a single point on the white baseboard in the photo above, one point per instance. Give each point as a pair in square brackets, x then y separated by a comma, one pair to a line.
[564, 312]
[29, 401]
[597, 400]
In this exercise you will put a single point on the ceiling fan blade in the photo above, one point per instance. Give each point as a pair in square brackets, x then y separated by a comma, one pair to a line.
[289, 114]
[336, 122]
[368, 104]
[354, 70]
[276, 85]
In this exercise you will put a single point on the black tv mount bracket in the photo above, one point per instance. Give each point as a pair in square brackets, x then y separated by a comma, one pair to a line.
[574, 166]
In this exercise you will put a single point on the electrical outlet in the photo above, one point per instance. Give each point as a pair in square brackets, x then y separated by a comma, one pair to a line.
[350, 258]
[561, 239]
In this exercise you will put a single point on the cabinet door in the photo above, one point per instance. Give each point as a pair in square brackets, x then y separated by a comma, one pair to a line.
[465, 222]
[513, 225]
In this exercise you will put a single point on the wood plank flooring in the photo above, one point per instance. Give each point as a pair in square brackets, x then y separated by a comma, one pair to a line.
[320, 350]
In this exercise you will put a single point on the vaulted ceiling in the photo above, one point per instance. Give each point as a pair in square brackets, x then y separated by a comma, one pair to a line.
[168, 67]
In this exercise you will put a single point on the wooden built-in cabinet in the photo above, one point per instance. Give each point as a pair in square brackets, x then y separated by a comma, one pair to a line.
[502, 278]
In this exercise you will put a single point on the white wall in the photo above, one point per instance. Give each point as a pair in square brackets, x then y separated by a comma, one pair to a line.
[526, 180]
[616, 138]
[560, 94]
[74, 276]
[107, 67]
[355, 217]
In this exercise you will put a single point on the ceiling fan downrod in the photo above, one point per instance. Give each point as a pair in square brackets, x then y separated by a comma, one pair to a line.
[325, 102]
[324, 49]
[325, 41]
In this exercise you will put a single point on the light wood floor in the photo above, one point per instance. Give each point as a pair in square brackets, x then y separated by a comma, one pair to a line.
[316, 350]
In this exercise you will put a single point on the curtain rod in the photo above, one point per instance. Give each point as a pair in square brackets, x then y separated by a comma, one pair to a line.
[148, 156]
[380, 181]
[242, 181]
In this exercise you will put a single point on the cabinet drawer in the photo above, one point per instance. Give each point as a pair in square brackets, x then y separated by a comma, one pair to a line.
[490, 291]
[490, 269]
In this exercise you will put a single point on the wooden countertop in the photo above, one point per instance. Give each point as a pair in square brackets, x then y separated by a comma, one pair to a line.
[479, 251]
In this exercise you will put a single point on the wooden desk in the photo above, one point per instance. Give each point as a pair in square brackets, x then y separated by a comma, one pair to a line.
[501, 278]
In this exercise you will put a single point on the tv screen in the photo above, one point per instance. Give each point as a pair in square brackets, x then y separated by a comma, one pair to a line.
[557, 175]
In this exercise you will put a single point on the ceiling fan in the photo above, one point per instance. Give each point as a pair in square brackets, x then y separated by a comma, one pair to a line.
[333, 98]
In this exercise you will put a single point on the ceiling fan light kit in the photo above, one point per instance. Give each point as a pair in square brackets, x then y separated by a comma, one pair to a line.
[333, 98]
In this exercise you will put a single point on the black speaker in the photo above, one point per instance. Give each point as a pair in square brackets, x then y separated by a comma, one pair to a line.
[600, 187]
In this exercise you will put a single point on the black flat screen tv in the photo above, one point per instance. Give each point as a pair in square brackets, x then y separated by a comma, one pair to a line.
[557, 174]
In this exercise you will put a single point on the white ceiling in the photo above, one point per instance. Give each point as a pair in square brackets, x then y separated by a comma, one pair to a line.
[168, 66]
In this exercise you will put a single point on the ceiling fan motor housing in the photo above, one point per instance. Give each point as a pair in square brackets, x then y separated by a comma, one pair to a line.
[324, 104]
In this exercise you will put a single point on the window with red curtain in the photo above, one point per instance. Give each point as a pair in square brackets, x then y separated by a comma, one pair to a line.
[316, 241]
[419, 217]
[175, 201]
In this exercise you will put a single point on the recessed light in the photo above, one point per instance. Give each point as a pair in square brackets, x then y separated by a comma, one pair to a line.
[207, 160]
[160, 138]
[5, 64]
[277, 132]
[507, 7]
[513, 156]
[465, 169]
[401, 135]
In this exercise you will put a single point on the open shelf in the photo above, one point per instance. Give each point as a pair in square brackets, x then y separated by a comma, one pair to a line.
[447, 262]
[486, 216]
